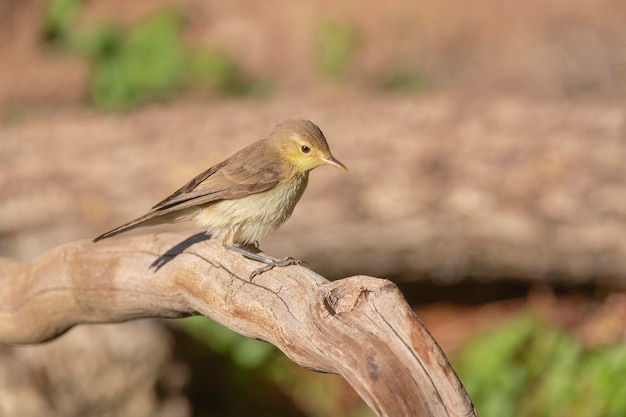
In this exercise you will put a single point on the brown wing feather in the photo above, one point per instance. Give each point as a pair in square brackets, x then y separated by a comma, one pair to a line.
[237, 177]
[193, 183]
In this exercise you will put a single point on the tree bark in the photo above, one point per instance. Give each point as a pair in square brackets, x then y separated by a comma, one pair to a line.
[358, 327]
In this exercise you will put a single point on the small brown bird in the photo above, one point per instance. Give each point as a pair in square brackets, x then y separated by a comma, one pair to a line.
[249, 195]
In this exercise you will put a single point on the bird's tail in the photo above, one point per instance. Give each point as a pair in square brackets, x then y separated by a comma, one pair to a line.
[149, 219]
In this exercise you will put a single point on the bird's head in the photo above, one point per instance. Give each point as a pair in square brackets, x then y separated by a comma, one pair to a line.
[303, 145]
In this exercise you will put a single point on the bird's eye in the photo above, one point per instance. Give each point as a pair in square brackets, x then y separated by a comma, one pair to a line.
[305, 149]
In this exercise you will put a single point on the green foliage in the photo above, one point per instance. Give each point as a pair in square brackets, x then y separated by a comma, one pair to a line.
[214, 70]
[147, 65]
[530, 369]
[60, 15]
[312, 393]
[337, 44]
[245, 353]
[15, 114]
[405, 81]
[317, 394]
[144, 63]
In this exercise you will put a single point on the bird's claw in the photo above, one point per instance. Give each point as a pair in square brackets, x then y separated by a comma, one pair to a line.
[270, 263]
[274, 263]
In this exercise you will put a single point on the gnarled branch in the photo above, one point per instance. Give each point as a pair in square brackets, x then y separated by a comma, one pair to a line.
[358, 327]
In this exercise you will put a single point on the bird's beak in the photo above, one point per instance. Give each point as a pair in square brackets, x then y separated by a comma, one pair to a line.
[335, 163]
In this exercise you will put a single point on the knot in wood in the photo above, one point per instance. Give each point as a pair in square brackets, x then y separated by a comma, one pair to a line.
[351, 293]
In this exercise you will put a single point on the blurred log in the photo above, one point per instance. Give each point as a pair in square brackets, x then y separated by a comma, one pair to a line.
[442, 186]
[123, 370]
[359, 327]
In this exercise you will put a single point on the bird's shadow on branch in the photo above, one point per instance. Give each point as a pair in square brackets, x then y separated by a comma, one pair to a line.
[177, 249]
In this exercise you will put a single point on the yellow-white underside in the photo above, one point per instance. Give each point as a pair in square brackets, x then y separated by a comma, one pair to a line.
[248, 219]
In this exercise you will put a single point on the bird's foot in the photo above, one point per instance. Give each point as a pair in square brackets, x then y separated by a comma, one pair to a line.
[270, 263]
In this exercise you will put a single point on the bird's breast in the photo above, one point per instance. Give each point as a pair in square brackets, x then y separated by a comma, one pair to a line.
[254, 216]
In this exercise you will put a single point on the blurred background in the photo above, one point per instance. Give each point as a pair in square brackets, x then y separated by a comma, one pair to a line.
[486, 143]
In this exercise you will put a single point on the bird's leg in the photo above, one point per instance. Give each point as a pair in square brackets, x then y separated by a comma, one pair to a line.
[269, 262]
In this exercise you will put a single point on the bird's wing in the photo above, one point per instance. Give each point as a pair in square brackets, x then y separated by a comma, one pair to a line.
[225, 181]
[236, 177]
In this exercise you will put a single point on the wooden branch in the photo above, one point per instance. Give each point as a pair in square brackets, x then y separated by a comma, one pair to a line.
[358, 327]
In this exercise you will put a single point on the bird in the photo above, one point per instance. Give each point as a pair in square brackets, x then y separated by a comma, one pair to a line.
[249, 195]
